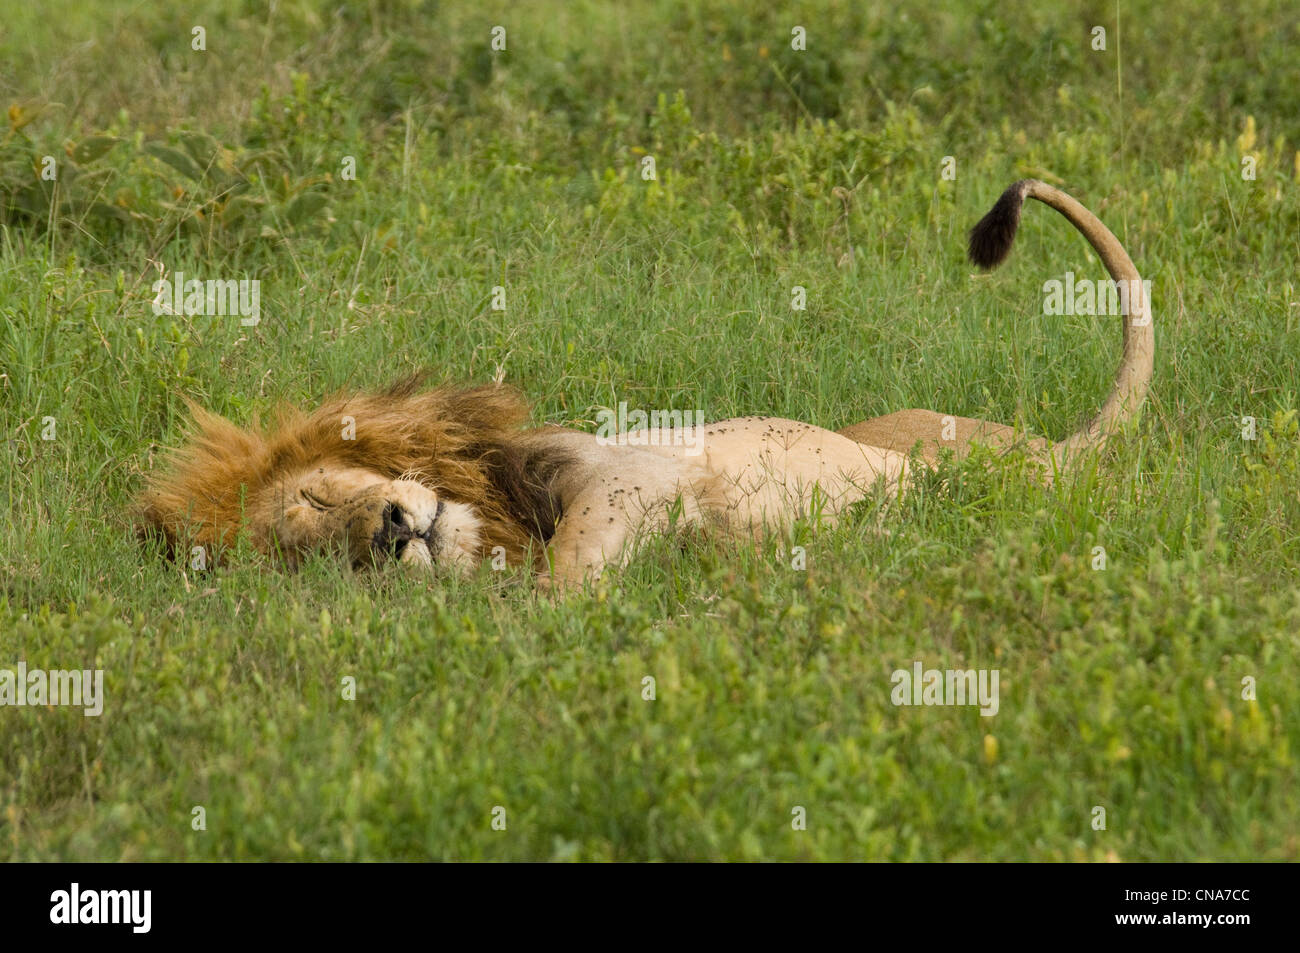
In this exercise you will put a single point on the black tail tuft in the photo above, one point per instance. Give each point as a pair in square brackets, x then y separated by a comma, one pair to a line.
[991, 238]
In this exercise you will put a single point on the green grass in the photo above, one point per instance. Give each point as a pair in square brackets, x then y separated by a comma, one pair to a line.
[1120, 688]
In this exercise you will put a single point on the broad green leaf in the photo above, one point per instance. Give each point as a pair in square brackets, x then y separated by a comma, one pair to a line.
[200, 146]
[91, 148]
[20, 114]
[305, 206]
[174, 158]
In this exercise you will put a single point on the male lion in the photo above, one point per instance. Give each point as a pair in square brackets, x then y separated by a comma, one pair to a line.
[450, 477]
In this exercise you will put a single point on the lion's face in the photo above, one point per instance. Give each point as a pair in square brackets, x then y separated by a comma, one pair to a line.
[432, 478]
[371, 519]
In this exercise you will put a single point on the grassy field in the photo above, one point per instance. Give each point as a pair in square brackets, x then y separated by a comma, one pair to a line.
[1163, 688]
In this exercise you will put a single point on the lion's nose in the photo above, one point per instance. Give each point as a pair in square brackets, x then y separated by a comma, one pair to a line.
[394, 532]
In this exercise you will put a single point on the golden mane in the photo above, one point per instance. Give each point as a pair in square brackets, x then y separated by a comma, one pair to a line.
[465, 443]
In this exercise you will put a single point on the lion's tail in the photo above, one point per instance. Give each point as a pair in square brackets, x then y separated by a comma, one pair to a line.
[990, 242]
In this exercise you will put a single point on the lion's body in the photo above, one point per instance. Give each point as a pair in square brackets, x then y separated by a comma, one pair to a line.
[375, 468]
[452, 477]
[931, 433]
[743, 475]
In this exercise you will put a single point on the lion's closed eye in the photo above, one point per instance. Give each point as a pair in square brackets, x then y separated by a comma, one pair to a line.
[328, 489]
[315, 501]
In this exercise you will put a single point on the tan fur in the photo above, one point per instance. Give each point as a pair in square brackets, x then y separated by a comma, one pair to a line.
[925, 430]
[451, 478]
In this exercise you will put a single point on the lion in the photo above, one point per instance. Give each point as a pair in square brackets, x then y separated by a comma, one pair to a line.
[449, 478]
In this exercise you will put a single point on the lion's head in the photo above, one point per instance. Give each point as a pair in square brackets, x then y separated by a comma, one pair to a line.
[435, 477]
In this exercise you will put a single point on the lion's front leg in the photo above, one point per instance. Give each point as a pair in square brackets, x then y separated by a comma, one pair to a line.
[586, 540]
[603, 524]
